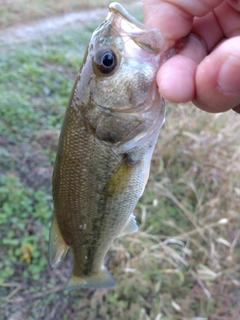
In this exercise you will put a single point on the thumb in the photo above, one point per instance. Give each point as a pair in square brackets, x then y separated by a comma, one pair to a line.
[218, 78]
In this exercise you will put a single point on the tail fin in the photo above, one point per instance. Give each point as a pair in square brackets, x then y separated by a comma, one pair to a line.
[100, 280]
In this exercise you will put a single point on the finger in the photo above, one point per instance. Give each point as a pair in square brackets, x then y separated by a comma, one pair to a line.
[175, 18]
[176, 77]
[237, 108]
[201, 27]
[173, 22]
[235, 4]
[195, 7]
[228, 18]
[218, 78]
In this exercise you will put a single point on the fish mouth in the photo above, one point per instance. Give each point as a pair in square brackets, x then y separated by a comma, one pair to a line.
[117, 8]
[147, 38]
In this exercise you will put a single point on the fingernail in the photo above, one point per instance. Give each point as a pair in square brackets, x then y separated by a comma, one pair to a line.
[229, 76]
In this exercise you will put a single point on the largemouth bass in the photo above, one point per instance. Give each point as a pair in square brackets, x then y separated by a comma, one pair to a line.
[105, 147]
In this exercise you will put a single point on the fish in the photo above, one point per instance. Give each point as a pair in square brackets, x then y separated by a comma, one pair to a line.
[105, 146]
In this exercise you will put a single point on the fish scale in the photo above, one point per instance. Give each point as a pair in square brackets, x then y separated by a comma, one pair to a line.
[105, 147]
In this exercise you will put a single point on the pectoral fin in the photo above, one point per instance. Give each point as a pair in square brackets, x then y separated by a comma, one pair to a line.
[130, 226]
[119, 180]
[57, 246]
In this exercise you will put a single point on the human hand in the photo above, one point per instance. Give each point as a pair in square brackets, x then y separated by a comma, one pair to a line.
[206, 70]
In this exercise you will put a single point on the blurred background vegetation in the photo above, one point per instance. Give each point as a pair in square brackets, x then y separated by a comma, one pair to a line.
[184, 262]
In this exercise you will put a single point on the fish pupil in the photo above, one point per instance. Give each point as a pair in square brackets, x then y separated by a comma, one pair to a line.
[105, 61]
[108, 60]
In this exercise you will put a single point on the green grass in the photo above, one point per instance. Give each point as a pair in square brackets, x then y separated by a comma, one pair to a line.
[35, 85]
[15, 12]
[184, 261]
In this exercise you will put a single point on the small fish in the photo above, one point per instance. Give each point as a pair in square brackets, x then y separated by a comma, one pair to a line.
[105, 147]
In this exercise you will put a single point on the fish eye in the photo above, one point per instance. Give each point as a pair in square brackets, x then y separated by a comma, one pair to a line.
[105, 61]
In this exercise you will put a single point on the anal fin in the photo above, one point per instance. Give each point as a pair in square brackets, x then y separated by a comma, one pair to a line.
[57, 247]
[130, 226]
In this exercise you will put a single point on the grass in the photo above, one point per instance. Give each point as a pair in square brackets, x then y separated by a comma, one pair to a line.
[184, 261]
[15, 12]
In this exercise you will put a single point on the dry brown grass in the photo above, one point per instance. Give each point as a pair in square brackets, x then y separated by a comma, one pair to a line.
[195, 256]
